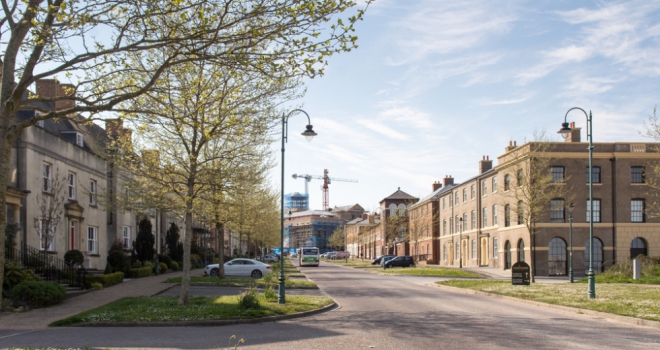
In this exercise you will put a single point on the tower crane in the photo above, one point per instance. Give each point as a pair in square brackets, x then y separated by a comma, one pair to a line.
[326, 181]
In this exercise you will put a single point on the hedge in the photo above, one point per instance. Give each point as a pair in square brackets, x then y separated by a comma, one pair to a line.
[104, 280]
[141, 272]
[38, 294]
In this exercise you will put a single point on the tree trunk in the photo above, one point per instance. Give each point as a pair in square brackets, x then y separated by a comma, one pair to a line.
[221, 252]
[5, 155]
[184, 297]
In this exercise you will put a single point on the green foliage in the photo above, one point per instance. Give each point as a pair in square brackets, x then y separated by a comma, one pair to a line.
[144, 242]
[74, 257]
[165, 259]
[15, 273]
[140, 272]
[117, 246]
[38, 294]
[270, 294]
[10, 233]
[194, 259]
[104, 280]
[249, 300]
[97, 286]
[172, 242]
[108, 269]
[622, 272]
[118, 260]
[174, 266]
[162, 268]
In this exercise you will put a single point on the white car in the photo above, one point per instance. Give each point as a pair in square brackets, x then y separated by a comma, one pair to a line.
[240, 267]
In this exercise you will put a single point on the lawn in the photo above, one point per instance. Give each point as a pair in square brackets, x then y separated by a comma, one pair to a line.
[626, 300]
[429, 271]
[160, 309]
[366, 264]
[246, 282]
[624, 279]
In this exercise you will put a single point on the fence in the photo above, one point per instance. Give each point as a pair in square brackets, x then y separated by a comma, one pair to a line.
[50, 268]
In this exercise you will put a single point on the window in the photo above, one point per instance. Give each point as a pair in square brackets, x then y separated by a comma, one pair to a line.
[444, 252]
[494, 214]
[457, 200]
[456, 250]
[473, 219]
[507, 182]
[485, 217]
[127, 237]
[521, 250]
[507, 215]
[637, 210]
[638, 247]
[92, 192]
[71, 183]
[46, 238]
[495, 253]
[444, 227]
[557, 173]
[595, 174]
[392, 209]
[451, 225]
[41, 123]
[402, 210]
[444, 203]
[507, 255]
[79, 140]
[637, 175]
[428, 230]
[451, 201]
[598, 256]
[465, 221]
[484, 188]
[458, 225]
[474, 191]
[557, 257]
[46, 177]
[474, 249]
[464, 195]
[92, 240]
[557, 210]
[596, 210]
[494, 184]
[521, 213]
[520, 178]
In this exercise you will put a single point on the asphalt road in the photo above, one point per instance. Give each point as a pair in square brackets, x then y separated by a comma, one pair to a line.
[378, 312]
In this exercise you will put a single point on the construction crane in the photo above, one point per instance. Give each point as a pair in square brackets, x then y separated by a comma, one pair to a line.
[326, 181]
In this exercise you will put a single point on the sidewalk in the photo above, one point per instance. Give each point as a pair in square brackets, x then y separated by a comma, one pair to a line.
[492, 273]
[41, 318]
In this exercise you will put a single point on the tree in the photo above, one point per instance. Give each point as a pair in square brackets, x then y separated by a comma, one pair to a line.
[58, 40]
[144, 241]
[51, 209]
[531, 194]
[171, 241]
[396, 230]
[421, 222]
[652, 174]
[338, 238]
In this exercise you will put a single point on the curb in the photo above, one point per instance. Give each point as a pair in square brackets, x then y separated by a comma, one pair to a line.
[330, 307]
[568, 309]
[163, 290]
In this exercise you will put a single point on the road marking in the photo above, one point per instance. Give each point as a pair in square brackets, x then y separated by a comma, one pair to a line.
[12, 335]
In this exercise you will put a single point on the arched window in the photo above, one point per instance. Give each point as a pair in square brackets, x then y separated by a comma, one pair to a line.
[507, 215]
[598, 256]
[557, 257]
[507, 182]
[392, 209]
[638, 247]
[402, 210]
[520, 178]
[507, 255]
[521, 250]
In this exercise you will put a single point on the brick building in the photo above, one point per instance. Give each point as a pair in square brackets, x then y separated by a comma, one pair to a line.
[395, 204]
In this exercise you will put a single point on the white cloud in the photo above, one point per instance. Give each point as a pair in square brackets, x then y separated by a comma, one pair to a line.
[511, 101]
[382, 129]
[409, 116]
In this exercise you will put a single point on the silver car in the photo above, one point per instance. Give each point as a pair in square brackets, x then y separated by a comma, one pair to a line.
[240, 268]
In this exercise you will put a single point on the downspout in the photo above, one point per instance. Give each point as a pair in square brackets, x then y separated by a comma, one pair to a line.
[453, 229]
[614, 218]
[479, 219]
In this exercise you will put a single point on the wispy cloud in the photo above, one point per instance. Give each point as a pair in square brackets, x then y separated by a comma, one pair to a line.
[511, 101]
[382, 129]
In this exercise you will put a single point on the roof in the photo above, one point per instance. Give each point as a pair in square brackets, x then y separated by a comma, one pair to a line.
[399, 195]
[309, 213]
[435, 194]
[355, 206]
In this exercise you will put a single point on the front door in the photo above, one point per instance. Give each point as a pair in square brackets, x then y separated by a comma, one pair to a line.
[484, 251]
[464, 251]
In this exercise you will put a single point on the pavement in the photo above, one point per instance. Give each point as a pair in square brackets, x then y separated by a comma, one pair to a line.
[377, 312]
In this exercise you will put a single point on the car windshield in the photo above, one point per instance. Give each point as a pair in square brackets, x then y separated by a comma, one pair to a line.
[310, 251]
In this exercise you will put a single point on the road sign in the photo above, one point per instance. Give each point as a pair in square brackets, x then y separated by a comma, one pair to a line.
[520, 274]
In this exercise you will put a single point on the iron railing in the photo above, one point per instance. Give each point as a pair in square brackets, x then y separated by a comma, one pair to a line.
[48, 267]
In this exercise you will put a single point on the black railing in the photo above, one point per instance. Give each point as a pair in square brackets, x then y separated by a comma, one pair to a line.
[48, 267]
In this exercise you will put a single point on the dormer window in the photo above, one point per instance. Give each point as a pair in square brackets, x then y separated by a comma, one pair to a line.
[79, 140]
[41, 123]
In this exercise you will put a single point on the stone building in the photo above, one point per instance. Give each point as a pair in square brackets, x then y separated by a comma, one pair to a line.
[364, 237]
[395, 204]
[348, 212]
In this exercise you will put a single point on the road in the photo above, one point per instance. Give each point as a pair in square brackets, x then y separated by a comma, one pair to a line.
[378, 312]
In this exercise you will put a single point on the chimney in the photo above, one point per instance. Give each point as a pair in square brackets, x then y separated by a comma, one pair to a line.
[485, 164]
[575, 134]
[51, 88]
[448, 180]
[371, 219]
[511, 146]
[436, 186]
[365, 216]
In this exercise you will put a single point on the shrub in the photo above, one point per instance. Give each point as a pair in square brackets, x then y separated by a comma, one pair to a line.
[174, 266]
[97, 286]
[74, 257]
[194, 258]
[108, 269]
[249, 300]
[270, 294]
[117, 246]
[162, 268]
[117, 259]
[140, 272]
[165, 258]
[38, 294]
[105, 280]
[16, 273]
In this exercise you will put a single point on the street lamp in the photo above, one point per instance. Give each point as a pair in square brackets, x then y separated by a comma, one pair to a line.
[460, 245]
[565, 131]
[570, 240]
[309, 135]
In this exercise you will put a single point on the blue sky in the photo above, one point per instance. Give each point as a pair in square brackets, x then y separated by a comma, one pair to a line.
[435, 85]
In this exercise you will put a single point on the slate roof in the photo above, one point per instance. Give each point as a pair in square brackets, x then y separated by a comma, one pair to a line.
[435, 194]
[347, 207]
[398, 195]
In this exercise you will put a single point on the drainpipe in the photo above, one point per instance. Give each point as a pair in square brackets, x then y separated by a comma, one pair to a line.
[614, 218]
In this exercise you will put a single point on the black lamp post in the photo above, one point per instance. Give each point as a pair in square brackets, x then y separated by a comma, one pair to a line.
[565, 131]
[570, 240]
[309, 135]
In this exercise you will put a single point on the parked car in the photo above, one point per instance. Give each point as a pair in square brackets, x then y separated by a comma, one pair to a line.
[401, 261]
[378, 260]
[324, 255]
[386, 258]
[294, 255]
[271, 258]
[330, 255]
[342, 255]
[240, 268]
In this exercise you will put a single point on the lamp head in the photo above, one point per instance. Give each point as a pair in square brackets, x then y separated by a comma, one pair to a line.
[565, 131]
[309, 133]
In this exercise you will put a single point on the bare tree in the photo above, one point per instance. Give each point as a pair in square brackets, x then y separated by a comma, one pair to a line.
[51, 209]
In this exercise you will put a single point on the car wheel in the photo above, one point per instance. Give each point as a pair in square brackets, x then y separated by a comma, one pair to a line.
[411, 265]
[256, 274]
[214, 272]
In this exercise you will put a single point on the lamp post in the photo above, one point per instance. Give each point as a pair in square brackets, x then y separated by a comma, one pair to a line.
[565, 131]
[570, 242]
[309, 135]
[460, 244]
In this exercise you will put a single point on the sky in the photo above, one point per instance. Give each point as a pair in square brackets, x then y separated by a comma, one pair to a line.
[435, 85]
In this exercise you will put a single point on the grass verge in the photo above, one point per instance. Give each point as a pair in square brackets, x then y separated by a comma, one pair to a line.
[245, 282]
[429, 271]
[624, 300]
[623, 279]
[161, 309]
